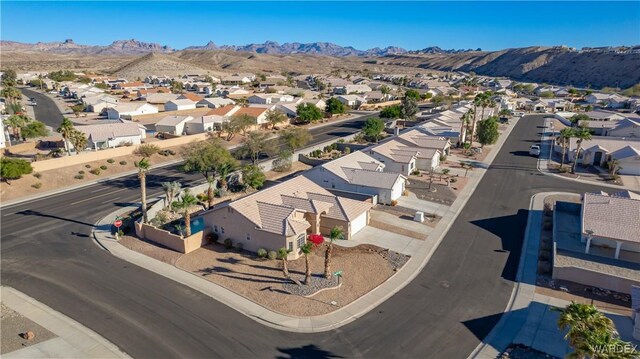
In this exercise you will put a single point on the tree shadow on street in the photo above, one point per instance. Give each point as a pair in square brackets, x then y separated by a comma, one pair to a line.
[310, 351]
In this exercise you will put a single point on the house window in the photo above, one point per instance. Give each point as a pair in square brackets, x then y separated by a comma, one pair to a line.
[215, 228]
[248, 237]
[402, 168]
[301, 240]
[291, 246]
[222, 230]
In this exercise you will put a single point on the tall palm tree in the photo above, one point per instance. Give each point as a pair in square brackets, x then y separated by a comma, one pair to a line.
[79, 141]
[564, 137]
[66, 130]
[185, 203]
[16, 122]
[282, 254]
[223, 170]
[10, 93]
[171, 189]
[582, 134]
[211, 180]
[585, 326]
[306, 249]
[336, 233]
[466, 120]
[143, 168]
[477, 102]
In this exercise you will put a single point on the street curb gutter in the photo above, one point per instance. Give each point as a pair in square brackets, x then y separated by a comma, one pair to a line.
[344, 315]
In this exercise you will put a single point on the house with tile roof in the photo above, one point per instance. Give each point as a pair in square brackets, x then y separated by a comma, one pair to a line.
[180, 105]
[283, 216]
[215, 102]
[174, 125]
[224, 111]
[190, 96]
[359, 173]
[395, 156]
[257, 112]
[113, 134]
[612, 221]
[128, 109]
[601, 149]
[205, 123]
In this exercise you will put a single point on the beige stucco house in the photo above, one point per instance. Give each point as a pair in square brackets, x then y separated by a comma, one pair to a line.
[283, 216]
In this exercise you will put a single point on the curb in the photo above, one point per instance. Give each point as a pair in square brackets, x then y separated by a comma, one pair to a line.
[28, 306]
[519, 293]
[292, 323]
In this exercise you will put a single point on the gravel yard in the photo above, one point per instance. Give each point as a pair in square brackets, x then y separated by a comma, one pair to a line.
[262, 281]
[12, 324]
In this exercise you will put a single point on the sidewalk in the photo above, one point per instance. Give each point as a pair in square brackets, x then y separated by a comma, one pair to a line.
[421, 254]
[545, 159]
[528, 318]
[73, 340]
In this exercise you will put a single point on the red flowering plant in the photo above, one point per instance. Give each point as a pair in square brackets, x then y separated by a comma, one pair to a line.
[316, 239]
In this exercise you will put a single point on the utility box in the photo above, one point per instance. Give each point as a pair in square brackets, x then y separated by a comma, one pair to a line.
[419, 217]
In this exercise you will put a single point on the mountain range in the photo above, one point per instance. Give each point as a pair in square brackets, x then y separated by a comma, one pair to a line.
[135, 47]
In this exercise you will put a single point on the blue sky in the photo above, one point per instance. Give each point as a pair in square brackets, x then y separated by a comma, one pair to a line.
[412, 25]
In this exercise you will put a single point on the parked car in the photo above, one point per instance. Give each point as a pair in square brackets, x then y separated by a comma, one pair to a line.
[534, 150]
[33, 102]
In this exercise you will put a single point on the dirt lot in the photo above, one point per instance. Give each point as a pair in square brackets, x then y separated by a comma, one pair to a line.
[12, 324]
[261, 280]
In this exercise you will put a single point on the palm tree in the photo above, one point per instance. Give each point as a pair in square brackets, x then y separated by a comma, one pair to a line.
[79, 140]
[306, 250]
[66, 130]
[581, 134]
[464, 126]
[477, 102]
[17, 122]
[143, 168]
[210, 195]
[336, 233]
[282, 254]
[564, 137]
[223, 171]
[171, 189]
[11, 93]
[585, 326]
[185, 203]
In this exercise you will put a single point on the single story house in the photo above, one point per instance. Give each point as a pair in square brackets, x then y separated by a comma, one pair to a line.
[99, 102]
[351, 89]
[174, 125]
[160, 98]
[127, 110]
[394, 158]
[283, 215]
[612, 221]
[202, 124]
[224, 111]
[259, 113]
[352, 100]
[190, 96]
[601, 149]
[113, 134]
[360, 173]
[625, 128]
[268, 99]
[180, 105]
[215, 102]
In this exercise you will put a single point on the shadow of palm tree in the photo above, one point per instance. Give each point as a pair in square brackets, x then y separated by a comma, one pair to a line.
[40, 214]
[310, 351]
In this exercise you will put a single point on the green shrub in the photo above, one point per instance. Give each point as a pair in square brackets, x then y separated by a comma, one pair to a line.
[103, 167]
[78, 177]
[87, 166]
[443, 158]
[212, 237]
[37, 175]
[80, 172]
[347, 150]
[123, 162]
[95, 171]
[272, 255]
[36, 185]
[416, 172]
[110, 160]
[167, 152]
[228, 243]
[453, 180]
[239, 247]
[262, 253]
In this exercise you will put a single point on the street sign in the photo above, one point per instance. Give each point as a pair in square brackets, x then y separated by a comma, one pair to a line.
[117, 223]
[338, 273]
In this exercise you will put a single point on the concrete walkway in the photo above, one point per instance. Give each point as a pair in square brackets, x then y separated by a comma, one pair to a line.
[421, 252]
[631, 183]
[73, 339]
[528, 318]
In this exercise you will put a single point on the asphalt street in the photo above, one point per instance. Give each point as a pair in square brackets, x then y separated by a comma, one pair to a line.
[46, 110]
[452, 304]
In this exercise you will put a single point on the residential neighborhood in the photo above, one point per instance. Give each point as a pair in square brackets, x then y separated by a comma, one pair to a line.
[449, 187]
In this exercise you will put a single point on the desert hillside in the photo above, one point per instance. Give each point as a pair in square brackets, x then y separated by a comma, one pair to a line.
[538, 64]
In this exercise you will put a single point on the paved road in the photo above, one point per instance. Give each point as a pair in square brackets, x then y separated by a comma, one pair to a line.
[46, 111]
[443, 313]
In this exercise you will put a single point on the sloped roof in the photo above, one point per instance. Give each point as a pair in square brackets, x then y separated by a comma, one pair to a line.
[221, 111]
[373, 179]
[173, 120]
[611, 217]
[625, 152]
[277, 219]
[108, 131]
[298, 187]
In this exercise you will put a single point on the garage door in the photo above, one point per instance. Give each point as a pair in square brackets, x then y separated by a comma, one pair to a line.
[359, 223]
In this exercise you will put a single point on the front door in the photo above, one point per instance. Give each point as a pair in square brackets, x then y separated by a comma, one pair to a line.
[597, 158]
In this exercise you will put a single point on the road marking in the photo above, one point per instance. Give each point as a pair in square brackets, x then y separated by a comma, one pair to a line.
[111, 200]
[100, 189]
[9, 214]
[94, 197]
